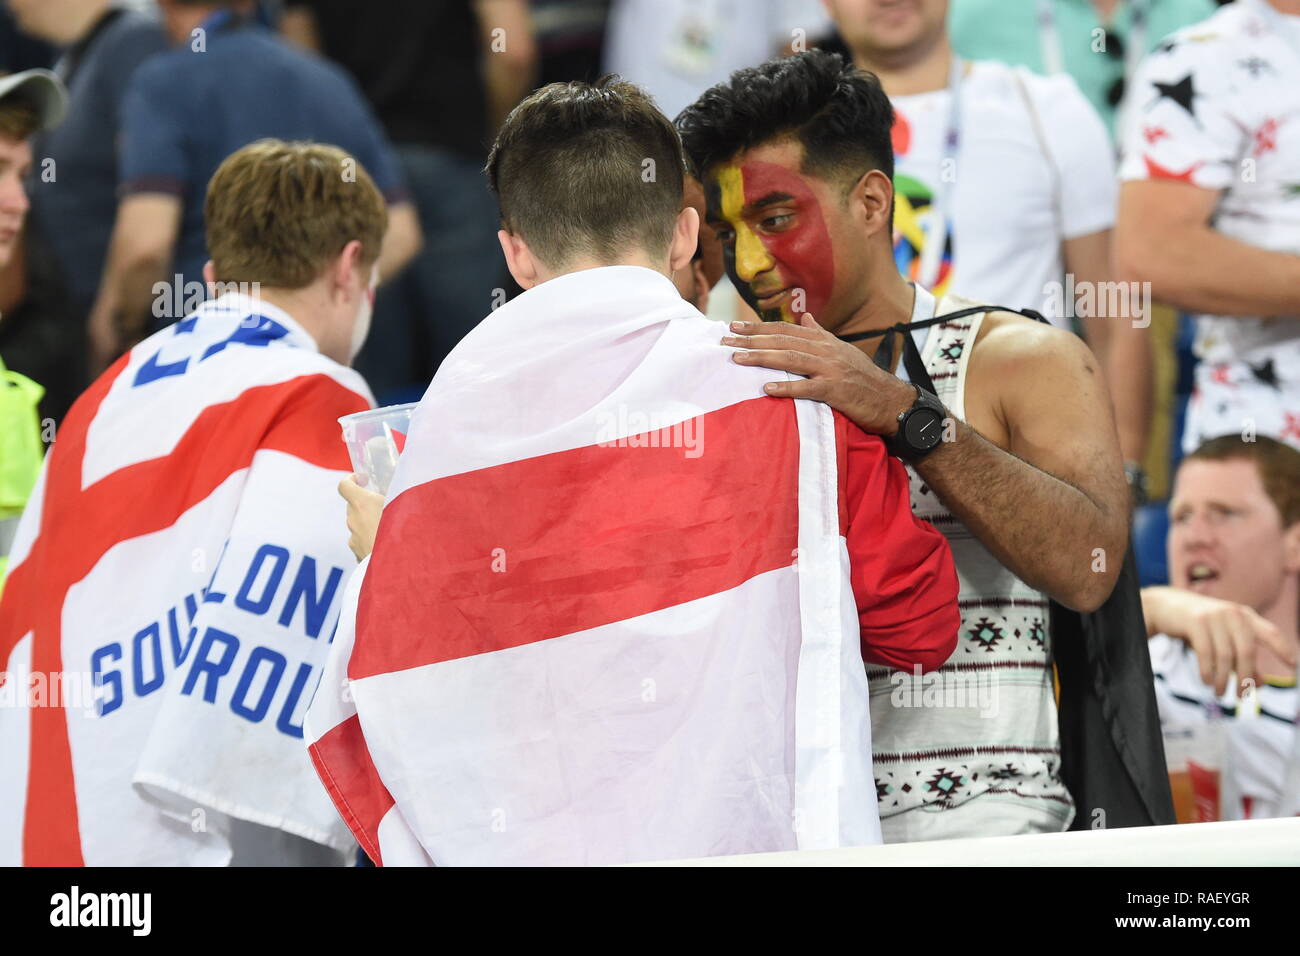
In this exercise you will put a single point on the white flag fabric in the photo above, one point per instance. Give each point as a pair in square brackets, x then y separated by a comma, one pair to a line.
[608, 617]
[174, 587]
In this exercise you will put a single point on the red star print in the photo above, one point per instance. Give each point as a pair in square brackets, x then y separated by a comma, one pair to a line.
[1156, 171]
[1266, 137]
[1291, 430]
[1153, 134]
[1220, 375]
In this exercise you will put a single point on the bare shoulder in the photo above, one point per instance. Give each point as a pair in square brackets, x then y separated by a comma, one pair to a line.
[1012, 345]
[1020, 367]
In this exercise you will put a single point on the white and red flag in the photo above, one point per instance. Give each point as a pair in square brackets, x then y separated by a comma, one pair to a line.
[613, 610]
[173, 589]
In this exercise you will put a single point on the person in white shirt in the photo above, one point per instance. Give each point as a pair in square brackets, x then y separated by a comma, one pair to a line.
[1004, 188]
[1209, 209]
[677, 49]
[1224, 635]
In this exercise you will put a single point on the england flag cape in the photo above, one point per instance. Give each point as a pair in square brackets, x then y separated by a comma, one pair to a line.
[174, 586]
[608, 616]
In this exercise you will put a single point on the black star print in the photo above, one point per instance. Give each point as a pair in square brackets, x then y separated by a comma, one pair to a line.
[1266, 373]
[1180, 92]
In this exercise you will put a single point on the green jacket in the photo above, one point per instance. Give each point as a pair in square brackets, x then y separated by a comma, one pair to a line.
[21, 452]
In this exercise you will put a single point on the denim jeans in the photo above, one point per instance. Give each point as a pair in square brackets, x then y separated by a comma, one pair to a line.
[447, 288]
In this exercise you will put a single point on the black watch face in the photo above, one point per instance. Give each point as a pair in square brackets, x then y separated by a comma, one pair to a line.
[923, 429]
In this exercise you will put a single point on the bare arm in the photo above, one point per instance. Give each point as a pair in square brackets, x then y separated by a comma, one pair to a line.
[509, 54]
[401, 242]
[139, 253]
[1052, 505]
[1164, 237]
[1123, 350]
[1227, 638]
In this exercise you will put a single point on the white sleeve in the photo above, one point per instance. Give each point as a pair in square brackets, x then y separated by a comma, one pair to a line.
[1181, 122]
[1082, 150]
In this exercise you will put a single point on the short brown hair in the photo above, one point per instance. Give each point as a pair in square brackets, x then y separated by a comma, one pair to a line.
[18, 120]
[1278, 465]
[583, 170]
[277, 213]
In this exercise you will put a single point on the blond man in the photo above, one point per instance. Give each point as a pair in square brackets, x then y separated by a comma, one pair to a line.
[177, 575]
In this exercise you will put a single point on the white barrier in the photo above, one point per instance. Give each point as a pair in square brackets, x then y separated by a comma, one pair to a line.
[1241, 843]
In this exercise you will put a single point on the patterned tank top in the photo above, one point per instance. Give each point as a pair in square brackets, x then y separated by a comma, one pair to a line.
[971, 749]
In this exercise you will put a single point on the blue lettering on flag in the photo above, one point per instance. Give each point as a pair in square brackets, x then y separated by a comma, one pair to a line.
[214, 669]
[256, 331]
[262, 604]
[238, 702]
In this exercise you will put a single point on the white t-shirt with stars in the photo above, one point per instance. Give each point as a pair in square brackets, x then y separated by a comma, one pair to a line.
[1217, 105]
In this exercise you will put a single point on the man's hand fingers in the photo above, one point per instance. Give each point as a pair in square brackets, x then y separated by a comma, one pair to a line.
[1243, 640]
[779, 328]
[1271, 637]
[350, 490]
[1223, 653]
[789, 343]
[1202, 644]
[783, 360]
[797, 388]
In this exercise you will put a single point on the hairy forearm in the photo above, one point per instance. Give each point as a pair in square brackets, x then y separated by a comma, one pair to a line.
[1051, 534]
[1201, 270]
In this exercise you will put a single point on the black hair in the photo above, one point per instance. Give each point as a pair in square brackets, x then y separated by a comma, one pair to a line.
[839, 113]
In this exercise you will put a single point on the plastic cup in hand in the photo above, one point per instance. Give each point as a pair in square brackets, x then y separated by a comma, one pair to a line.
[375, 441]
[1194, 754]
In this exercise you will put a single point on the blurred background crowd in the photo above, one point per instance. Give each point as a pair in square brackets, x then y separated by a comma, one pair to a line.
[416, 88]
[1020, 198]
[162, 90]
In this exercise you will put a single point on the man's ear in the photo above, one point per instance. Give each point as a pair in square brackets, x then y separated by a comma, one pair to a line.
[686, 237]
[519, 259]
[873, 200]
[348, 262]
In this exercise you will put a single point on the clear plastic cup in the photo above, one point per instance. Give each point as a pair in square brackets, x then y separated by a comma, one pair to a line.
[1194, 755]
[375, 441]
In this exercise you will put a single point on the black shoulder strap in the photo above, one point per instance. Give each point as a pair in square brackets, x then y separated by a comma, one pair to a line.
[911, 354]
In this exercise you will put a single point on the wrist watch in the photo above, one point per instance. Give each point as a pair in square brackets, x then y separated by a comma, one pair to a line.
[920, 427]
[1137, 482]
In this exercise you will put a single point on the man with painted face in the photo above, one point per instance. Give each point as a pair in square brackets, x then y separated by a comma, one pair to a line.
[1026, 482]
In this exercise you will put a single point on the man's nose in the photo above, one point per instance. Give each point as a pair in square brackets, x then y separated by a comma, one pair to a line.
[752, 256]
[1195, 530]
[13, 197]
